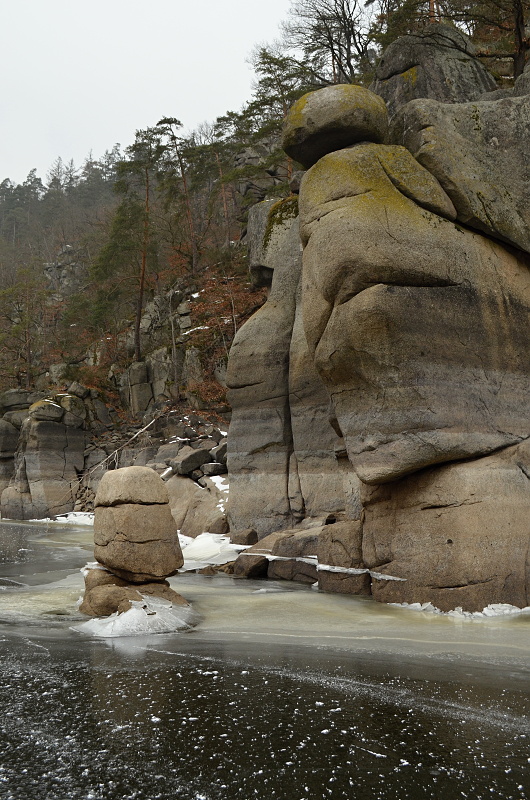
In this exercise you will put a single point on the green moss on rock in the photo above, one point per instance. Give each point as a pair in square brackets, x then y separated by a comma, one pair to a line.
[279, 214]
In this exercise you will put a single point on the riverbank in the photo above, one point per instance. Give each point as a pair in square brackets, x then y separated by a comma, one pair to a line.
[279, 691]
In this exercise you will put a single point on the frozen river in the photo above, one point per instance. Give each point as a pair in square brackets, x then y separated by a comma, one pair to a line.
[279, 692]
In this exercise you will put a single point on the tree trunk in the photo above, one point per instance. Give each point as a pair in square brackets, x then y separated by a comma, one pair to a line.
[143, 267]
[520, 40]
[193, 238]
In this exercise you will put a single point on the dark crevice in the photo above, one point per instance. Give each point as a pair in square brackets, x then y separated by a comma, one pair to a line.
[442, 283]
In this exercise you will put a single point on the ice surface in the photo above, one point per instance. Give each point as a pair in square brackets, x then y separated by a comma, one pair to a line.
[493, 610]
[207, 549]
[150, 615]
[234, 610]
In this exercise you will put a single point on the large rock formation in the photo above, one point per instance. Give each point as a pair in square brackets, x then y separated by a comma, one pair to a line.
[42, 448]
[48, 460]
[281, 444]
[134, 532]
[417, 324]
[476, 151]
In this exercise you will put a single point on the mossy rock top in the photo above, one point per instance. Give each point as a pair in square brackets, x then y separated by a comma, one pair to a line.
[331, 119]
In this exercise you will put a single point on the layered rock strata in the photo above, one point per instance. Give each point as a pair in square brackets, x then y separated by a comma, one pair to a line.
[415, 304]
[282, 446]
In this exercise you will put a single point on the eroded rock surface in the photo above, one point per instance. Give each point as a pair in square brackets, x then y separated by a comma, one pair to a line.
[438, 63]
[417, 324]
[135, 539]
[419, 328]
[282, 445]
[479, 152]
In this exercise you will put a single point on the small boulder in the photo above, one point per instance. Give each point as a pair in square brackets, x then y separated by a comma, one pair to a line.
[106, 599]
[254, 562]
[214, 469]
[247, 536]
[189, 459]
[296, 556]
[46, 411]
[78, 390]
[131, 485]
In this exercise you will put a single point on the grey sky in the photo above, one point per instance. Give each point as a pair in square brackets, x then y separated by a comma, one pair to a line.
[81, 76]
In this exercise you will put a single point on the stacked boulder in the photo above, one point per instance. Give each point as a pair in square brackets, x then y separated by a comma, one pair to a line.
[136, 543]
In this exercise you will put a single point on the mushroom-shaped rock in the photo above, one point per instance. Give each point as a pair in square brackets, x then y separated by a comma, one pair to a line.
[131, 485]
[331, 119]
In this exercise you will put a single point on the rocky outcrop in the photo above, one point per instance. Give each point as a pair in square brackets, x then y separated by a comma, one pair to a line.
[44, 455]
[455, 535]
[260, 440]
[381, 269]
[438, 63]
[8, 446]
[68, 273]
[47, 464]
[55, 449]
[475, 151]
[415, 315]
[136, 543]
[281, 446]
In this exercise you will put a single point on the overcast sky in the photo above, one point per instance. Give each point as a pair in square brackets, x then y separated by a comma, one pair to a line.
[80, 75]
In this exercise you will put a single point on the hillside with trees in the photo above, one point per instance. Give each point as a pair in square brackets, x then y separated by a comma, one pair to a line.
[84, 252]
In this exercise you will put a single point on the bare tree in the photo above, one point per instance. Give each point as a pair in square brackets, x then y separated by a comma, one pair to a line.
[333, 37]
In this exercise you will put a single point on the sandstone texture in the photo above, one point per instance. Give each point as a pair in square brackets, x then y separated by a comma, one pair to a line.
[106, 594]
[137, 542]
[282, 446]
[206, 511]
[409, 337]
[134, 539]
[259, 442]
[131, 485]
[254, 562]
[340, 560]
[418, 328]
[455, 535]
[293, 556]
[47, 464]
[476, 152]
[333, 118]
[438, 63]
[45, 454]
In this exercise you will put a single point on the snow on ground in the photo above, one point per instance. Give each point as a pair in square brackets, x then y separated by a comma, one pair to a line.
[198, 328]
[221, 484]
[150, 615]
[493, 610]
